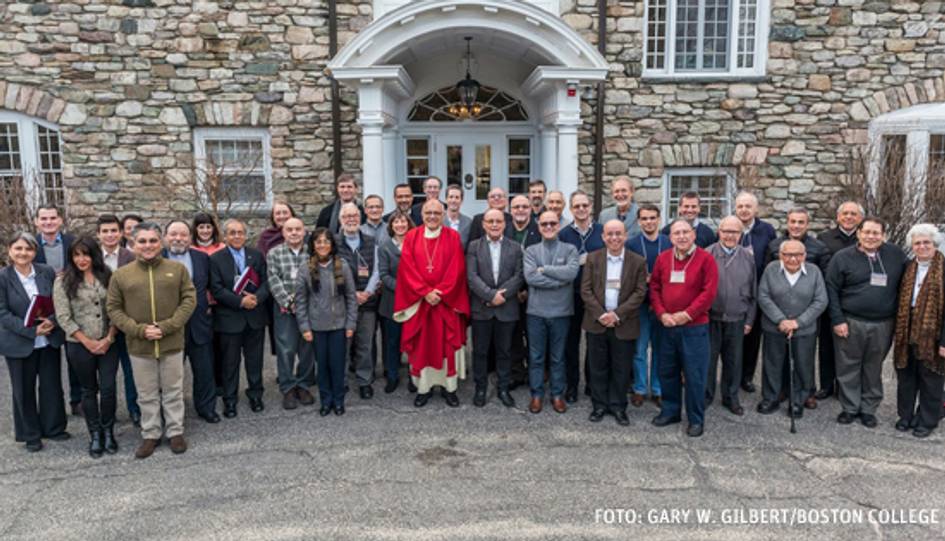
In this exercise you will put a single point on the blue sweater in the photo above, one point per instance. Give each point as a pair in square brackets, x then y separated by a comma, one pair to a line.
[594, 240]
[758, 238]
[649, 249]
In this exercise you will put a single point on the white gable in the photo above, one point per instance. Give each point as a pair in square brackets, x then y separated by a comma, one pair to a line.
[382, 7]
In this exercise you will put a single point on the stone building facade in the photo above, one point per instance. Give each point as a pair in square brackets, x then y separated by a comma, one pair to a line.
[143, 92]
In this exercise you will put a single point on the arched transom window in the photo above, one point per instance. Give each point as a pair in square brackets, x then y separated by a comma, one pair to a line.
[445, 105]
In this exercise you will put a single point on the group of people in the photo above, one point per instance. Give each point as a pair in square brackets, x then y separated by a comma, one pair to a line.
[659, 309]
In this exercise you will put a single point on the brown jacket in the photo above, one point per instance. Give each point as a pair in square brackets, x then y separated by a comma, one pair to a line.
[632, 293]
[157, 292]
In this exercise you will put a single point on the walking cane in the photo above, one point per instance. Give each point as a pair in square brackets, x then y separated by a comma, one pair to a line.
[790, 356]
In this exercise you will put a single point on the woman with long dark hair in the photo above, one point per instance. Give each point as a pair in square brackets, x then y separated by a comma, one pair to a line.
[327, 312]
[79, 296]
[206, 234]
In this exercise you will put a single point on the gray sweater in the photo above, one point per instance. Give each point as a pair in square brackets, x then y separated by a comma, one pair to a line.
[737, 295]
[779, 301]
[326, 309]
[551, 290]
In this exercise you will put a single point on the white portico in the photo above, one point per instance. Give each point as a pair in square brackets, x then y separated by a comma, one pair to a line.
[531, 66]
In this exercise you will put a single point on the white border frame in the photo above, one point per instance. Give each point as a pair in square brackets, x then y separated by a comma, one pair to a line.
[730, 187]
[236, 134]
[30, 167]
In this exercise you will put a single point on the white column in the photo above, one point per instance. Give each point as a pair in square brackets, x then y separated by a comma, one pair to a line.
[549, 154]
[567, 175]
[372, 149]
[391, 156]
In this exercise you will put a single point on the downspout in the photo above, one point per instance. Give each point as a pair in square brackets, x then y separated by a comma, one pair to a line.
[599, 128]
[335, 91]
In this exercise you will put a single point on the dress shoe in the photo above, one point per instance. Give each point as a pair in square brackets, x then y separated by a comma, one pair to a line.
[797, 411]
[422, 399]
[559, 405]
[823, 393]
[506, 399]
[62, 436]
[810, 403]
[76, 409]
[256, 405]
[868, 420]
[229, 410]
[304, 396]
[178, 444]
[636, 400]
[922, 432]
[211, 418]
[366, 392]
[34, 446]
[339, 410]
[737, 409]
[658, 401]
[451, 399]
[535, 405]
[515, 384]
[324, 410]
[902, 425]
[146, 448]
[571, 395]
[596, 416]
[846, 418]
[694, 431]
[135, 417]
[479, 400]
[661, 421]
[782, 396]
[767, 407]
[391, 385]
[111, 446]
[621, 417]
[748, 386]
[96, 444]
[411, 386]
[289, 401]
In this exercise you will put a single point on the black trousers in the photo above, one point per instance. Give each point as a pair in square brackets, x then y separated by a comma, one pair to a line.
[828, 367]
[917, 381]
[201, 366]
[492, 335]
[248, 345]
[32, 420]
[97, 376]
[726, 339]
[572, 349]
[750, 350]
[776, 361]
[217, 361]
[610, 362]
[518, 350]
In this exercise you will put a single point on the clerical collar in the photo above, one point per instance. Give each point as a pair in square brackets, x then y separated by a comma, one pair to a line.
[432, 233]
[685, 255]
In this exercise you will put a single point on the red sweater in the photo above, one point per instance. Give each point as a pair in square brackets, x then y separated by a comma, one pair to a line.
[695, 296]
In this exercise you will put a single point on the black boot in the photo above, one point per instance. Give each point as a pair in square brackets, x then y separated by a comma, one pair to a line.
[111, 446]
[96, 447]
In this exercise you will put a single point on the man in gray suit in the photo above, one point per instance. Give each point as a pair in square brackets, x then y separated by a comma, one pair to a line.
[454, 219]
[624, 209]
[494, 272]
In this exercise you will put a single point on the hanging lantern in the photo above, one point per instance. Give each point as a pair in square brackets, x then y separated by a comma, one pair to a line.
[468, 88]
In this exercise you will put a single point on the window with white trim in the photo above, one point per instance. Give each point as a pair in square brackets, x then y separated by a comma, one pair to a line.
[520, 165]
[418, 165]
[705, 38]
[714, 186]
[236, 164]
[31, 151]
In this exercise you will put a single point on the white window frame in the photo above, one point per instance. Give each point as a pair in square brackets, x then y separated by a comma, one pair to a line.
[201, 135]
[407, 175]
[730, 188]
[531, 161]
[30, 164]
[762, 23]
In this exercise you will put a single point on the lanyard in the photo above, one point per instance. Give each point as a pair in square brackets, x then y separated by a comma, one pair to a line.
[672, 264]
[880, 260]
[583, 237]
[659, 245]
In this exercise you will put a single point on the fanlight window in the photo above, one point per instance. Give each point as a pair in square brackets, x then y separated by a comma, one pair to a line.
[445, 105]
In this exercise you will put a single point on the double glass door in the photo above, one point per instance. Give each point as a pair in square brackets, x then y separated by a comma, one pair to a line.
[473, 163]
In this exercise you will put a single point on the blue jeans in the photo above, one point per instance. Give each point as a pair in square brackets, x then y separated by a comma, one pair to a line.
[643, 379]
[684, 350]
[547, 335]
[131, 392]
[330, 349]
[391, 352]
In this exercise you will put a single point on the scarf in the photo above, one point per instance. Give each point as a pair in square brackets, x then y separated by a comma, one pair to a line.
[921, 326]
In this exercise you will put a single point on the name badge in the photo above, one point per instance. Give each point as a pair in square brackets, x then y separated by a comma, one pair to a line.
[677, 277]
[613, 284]
[363, 272]
[877, 279]
[583, 259]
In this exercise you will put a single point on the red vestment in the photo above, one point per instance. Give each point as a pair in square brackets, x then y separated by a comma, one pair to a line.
[432, 333]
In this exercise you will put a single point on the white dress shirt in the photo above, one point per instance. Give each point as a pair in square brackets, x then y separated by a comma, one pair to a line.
[29, 284]
[793, 277]
[614, 269]
[495, 252]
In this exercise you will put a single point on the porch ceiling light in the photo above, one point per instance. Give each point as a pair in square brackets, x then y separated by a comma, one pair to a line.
[468, 88]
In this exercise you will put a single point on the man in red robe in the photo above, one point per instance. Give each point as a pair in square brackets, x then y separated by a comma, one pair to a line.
[432, 302]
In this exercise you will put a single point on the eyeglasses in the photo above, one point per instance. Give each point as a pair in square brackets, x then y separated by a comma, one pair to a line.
[521, 207]
[148, 241]
[495, 196]
[786, 255]
[548, 224]
[580, 206]
[729, 232]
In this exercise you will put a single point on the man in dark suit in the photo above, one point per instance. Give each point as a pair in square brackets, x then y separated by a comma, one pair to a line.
[524, 231]
[53, 250]
[198, 335]
[346, 192]
[689, 210]
[497, 200]
[403, 198]
[240, 319]
[494, 273]
[116, 256]
[431, 187]
[613, 287]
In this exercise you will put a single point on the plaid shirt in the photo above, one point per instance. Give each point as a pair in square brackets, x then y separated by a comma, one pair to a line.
[283, 267]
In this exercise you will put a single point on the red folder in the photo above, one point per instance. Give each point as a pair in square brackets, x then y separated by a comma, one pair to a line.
[248, 282]
[40, 307]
